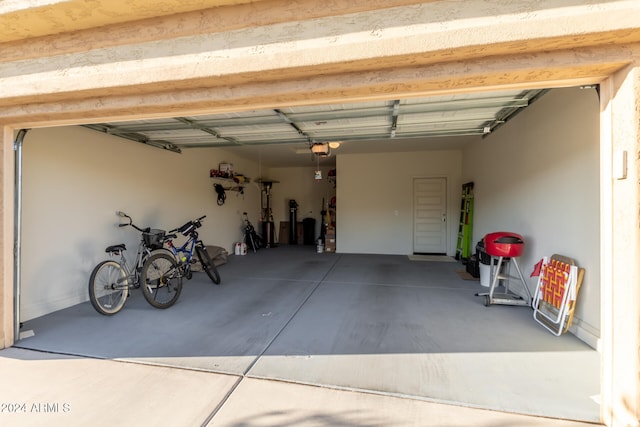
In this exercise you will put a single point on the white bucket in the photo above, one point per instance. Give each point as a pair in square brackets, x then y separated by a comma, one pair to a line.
[485, 275]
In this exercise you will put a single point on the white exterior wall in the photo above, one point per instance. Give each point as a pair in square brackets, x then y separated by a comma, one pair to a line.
[538, 176]
[75, 180]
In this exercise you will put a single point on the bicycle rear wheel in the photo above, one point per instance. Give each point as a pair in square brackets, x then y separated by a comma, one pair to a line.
[161, 281]
[207, 265]
[108, 287]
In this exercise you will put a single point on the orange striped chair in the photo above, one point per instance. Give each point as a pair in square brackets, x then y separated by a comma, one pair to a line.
[555, 297]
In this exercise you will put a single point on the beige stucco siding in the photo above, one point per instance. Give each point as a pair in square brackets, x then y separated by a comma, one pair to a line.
[422, 42]
[180, 59]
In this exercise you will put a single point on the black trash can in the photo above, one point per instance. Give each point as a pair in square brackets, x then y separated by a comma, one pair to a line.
[309, 231]
[482, 254]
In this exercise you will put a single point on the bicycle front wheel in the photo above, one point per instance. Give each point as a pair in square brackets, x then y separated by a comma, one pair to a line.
[108, 288]
[161, 281]
[207, 265]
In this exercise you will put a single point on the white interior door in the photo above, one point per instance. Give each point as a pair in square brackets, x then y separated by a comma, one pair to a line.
[430, 215]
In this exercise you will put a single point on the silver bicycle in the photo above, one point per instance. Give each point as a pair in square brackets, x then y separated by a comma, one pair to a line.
[112, 279]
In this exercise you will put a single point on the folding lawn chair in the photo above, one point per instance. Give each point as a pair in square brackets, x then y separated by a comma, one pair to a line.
[555, 297]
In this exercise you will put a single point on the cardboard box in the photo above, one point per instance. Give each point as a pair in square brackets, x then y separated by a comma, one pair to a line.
[329, 243]
[300, 233]
[283, 233]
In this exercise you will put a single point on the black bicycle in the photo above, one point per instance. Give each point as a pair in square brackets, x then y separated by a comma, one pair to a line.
[163, 271]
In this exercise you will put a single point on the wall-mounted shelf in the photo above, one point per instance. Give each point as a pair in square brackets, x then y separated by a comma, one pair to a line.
[229, 177]
[239, 187]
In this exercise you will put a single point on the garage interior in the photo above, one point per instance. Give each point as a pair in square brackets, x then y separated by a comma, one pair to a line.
[364, 318]
[562, 172]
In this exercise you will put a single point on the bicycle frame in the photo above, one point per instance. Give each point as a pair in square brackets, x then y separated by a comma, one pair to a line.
[133, 275]
[187, 248]
[186, 260]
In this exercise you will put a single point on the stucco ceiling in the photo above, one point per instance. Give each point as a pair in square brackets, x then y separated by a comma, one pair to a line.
[284, 136]
[21, 19]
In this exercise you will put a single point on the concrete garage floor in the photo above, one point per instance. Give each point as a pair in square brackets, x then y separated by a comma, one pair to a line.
[292, 337]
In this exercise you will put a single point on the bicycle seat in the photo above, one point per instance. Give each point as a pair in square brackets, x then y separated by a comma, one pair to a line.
[116, 248]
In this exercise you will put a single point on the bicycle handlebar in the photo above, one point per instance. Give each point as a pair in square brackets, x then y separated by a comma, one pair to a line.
[195, 222]
[124, 215]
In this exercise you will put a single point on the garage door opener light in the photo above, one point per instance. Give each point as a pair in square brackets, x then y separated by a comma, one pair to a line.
[320, 149]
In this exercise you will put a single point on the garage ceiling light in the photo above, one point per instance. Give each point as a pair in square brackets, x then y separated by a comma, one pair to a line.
[320, 149]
